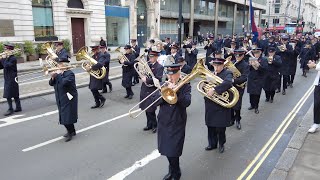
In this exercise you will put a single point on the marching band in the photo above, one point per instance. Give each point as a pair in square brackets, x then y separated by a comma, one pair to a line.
[238, 63]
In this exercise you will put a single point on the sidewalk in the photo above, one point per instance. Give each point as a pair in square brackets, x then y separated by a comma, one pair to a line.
[301, 158]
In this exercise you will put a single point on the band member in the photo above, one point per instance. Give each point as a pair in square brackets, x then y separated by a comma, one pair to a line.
[127, 71]
[307, 53]
[172, 121]
[137, 54]
[239, 83]
[255, 78]
[174, 52]
[187, 46]
[8, 63]
[185, 68]
[66, 94]
[219, 42]
[271, 43]
[227, 41]
[211, 48]
[192, 55]
[105, 80]
[286, 55]
[293, 64]
[272, 77]
[148, 87]
[218, 117]
[167, 46]
[61, 52]
[230, 51]
[316, 105]
[97, 84]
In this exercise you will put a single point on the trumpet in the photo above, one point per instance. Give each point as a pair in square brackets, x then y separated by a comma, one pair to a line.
[8, 53]
[122, 58]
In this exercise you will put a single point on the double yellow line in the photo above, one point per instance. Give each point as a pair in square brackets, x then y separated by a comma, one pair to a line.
[267, 148]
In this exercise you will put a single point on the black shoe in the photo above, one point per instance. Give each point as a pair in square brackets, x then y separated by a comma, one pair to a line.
[147, 128]
[278, 90]
[256, 111]
[221, 149]
[133, 84]
[238, 124]
[72, 134]
[154, 130]
[130, 97]
[267, 100]
[167, 176]
[291, 86]
[284, 92]
[209, 148]
[231, 123]
[271, 100]
[126, 96]
[250, 108]
[8, 113]
[18, 110]
[68, 138]
[102, 102]
[104, 90]
[95, 106]
[110, 88]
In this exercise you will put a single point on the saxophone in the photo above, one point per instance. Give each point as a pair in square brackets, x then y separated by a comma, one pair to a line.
[236, 73]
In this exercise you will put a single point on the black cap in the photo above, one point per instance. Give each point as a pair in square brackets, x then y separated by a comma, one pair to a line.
[211, 36]
[102, 47]
[272, 49]
[59, 43]
[180, 59]
[175, 46]
[256, 49]
[9, 46]
[94, 47]
[133, 40]
[239, 51]
[127, 46]
[218, 61]
[152, 41]
[172, 68]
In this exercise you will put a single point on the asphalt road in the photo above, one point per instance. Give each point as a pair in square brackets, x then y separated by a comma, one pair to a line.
[104, 150]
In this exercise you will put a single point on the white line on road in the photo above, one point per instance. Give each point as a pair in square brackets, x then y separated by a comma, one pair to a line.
[138, 164]
[13, 119]
[79, 131]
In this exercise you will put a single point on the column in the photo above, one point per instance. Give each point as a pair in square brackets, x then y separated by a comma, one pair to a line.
[191, 23]
[133, 20]
[151, 22]
[234, 18]
[157, 18]
[216, 19]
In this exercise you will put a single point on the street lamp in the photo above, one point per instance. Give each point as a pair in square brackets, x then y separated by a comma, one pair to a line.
[141, 16]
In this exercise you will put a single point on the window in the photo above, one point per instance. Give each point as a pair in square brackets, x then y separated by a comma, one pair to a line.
[42, 18]
[75, 4]
[277, 8]
[263, 22]
[275, 21]
[113, 2]
[263, 11]
[277, 1]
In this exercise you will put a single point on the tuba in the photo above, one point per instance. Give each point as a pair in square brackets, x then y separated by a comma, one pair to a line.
[236, 73]
[83, 54]
[122, 58]
[50, 59]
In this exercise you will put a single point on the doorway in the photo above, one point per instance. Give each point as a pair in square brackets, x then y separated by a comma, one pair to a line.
[78, 35]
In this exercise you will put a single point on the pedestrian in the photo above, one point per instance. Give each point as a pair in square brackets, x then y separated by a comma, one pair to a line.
[307, 53]
[172, 119]
[316, 104]
[210, 48]
[127, 70]
[106, 63]
[63, 81]
[8, 63]
[217, 117]
[136, 52]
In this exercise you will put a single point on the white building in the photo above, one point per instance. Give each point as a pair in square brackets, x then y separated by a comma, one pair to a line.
[310, 15]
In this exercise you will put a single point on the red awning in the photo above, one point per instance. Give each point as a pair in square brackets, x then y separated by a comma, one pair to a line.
[279, 28]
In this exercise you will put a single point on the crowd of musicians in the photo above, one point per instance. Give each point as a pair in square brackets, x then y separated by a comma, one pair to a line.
[269, 64]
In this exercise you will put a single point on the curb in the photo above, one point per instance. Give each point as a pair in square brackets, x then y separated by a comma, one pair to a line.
[51, 91]
[286, 161]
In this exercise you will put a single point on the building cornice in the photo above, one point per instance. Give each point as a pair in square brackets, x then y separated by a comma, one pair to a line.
[78, 11]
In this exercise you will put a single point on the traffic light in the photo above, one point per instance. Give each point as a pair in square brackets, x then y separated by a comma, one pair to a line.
[267, 24]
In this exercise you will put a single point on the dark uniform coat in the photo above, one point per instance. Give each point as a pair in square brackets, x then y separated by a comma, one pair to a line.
[95, 83]
[137, 51]
[293, 64]
[186, 53]
[272, 77]
[193, 58]
[227, 43]
[243, 67]
[270, 44]
[107, 66]
[128, 70]
[175, 57]
[286, 58]
[186, 69]
[306, 55]
[157, 70]
[167, 48]
[256, 77]
[172, 121]
[9, 66]
[63, 54]
[216, 115]
[68, 109]
[210, 49]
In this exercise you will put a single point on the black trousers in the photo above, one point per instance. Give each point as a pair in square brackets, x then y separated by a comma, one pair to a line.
[97, 96]
[16, 100]
[70, 128]
[129, 91]
[235, 115]
[316, 105]
[174, 167]
[107, 82]
[135, 77]
[285, 80]
[151, 119]
[254, 100]
[216, 135]
[270, 94]
[291, 78]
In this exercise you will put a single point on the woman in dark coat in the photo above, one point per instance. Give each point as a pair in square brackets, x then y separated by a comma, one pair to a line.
[128, 71]
[307, 53]
[11, 87]
[293, 64]
[256, 78]
[66, 94]
[172, 121]
[272, 77]
[218, 117]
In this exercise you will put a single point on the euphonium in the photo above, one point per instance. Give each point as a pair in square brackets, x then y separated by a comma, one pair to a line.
[236, 73]
[83, 54]
[50, 59]
[122, 58]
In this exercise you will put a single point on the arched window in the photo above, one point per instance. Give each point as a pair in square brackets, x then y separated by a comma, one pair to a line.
[42, 18]
[75, 4]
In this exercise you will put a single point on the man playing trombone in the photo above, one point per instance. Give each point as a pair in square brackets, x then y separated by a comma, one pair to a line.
[8, 63]
[148, 87]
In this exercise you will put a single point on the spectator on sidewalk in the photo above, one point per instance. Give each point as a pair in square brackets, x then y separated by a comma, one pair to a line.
[316, 105]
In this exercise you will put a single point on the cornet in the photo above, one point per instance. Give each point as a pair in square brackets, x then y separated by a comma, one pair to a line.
[8, 53]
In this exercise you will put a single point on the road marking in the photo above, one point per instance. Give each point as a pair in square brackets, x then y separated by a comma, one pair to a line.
[293, 112]
[138, 164]
[14, 119]
[79, 131]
